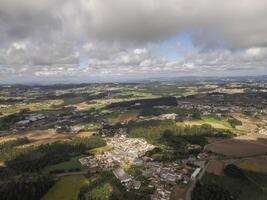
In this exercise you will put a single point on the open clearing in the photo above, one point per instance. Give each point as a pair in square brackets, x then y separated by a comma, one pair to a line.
[66, 188]
[100, 150]
[240, 146]
[38, 137]
[215, 123]
[249, 125]
[32, 106]
[179, 192]
[122, 117]
[85, 134]
[73, 163]
[215, 167]
[257, 164]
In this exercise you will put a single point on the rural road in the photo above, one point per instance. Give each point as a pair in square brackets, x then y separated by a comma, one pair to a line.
[69, 174]
[193, 183]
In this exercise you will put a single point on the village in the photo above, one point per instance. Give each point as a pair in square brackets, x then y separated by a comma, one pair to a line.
[162, 176]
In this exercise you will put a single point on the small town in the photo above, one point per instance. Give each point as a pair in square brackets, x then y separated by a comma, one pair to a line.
[163, 176]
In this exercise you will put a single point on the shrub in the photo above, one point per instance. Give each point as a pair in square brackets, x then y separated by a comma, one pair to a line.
[74, 170]
[234, 122]
[57, 171]
[211, 191]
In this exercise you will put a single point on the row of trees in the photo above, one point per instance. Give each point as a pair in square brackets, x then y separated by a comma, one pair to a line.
[234, 122]
[211, 191]
[8, 149]
[13, 143]
[7, 121]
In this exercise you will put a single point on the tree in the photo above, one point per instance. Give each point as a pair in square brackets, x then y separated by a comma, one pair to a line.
[25, 187]
[212, 192]
[233, 171]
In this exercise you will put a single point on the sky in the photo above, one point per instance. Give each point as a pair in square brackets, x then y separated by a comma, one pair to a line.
[106, 40]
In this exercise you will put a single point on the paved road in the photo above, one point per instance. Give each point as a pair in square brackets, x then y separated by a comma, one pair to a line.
[69, 174]
[194, 181]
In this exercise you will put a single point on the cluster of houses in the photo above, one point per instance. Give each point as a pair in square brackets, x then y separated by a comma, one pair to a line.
[124, 150]
[216, 104]
[30, 118]
[67, 116]
[5, 105]
[205, 109]
[110, 131]
[127, 180]
[171, 116]
[163, 176]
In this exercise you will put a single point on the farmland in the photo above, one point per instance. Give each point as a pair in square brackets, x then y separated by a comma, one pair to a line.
[257, 164]
[38, 137]
[215, 167]
[240, 146]
[73, 163]
[67, 188]
[130, 141]
[216, 123]
[254, 163]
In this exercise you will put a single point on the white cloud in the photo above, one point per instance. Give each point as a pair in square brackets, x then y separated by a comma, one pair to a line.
[117, 37]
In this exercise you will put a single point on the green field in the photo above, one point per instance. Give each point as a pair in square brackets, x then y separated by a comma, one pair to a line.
[103, 186]
[32, 106]
[213, 121]
[140, 94]
[66, 188]
[102, 192]
[71, 164]
[101, 150]
[91, 127]
[116, 117]
[217, 121]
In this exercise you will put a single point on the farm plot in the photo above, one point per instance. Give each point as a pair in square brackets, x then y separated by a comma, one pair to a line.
[38, 137]
[242, 146]
[254, 164]
[215, 123]
[257, 164]
[215, 167]
[66, 188]
[249, 125]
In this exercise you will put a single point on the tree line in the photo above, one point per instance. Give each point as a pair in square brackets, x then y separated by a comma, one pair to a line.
[25, 187]
[39, 157]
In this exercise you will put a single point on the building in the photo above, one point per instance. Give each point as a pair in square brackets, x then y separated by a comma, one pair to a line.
[121, 175]
[195, 173]
[136, 185]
